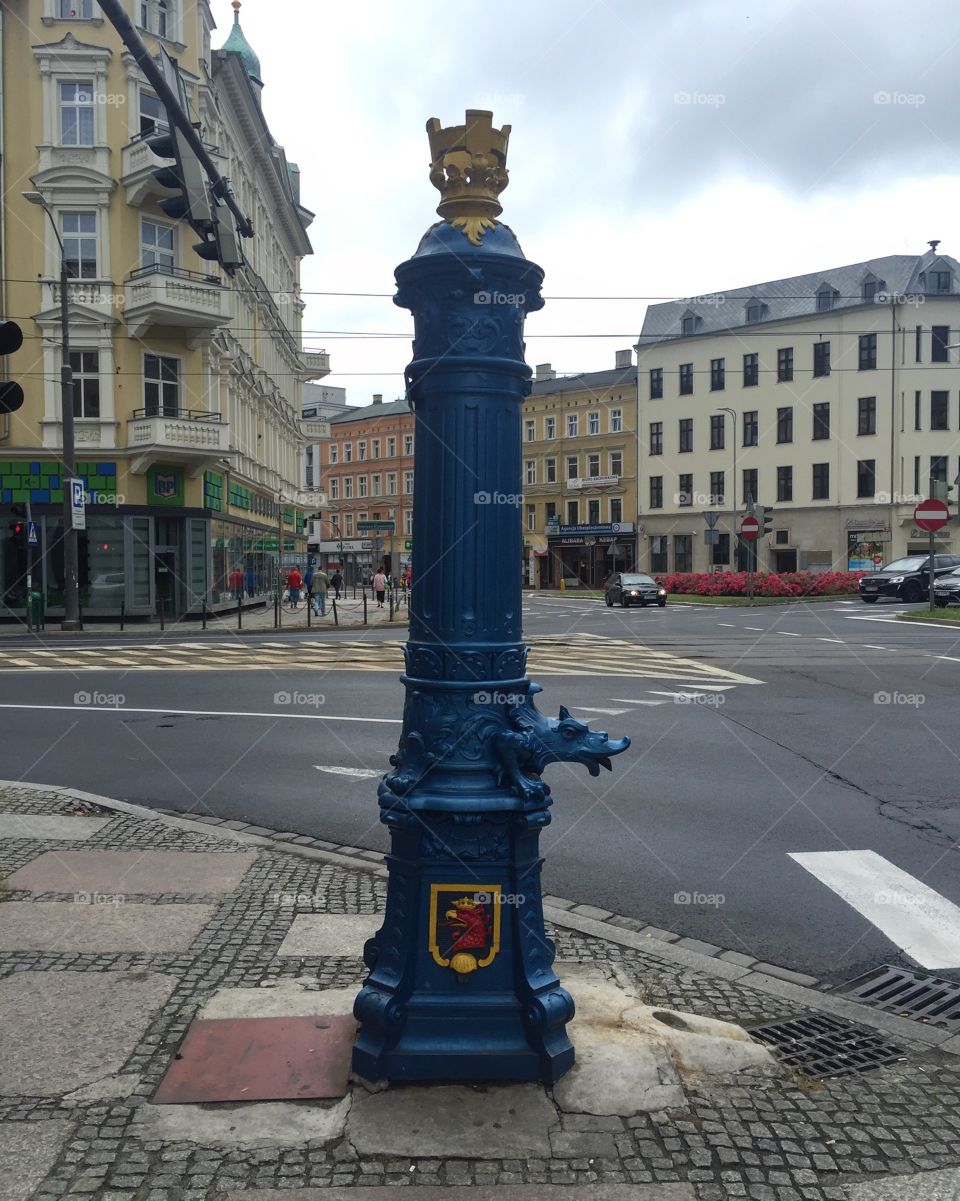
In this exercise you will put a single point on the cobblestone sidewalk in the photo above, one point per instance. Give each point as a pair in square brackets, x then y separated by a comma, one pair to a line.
[118, 927]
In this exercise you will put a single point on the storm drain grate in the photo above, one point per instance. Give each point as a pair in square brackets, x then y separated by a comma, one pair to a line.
[910, 993]
[821, 1045]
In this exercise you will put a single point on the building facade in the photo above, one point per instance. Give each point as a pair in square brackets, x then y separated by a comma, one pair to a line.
[187, 382]
[830, 399]
[579, 453]
[368, 474]
[319, 403]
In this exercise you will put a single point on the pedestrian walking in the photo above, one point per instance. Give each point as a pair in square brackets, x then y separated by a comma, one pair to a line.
[336, 583]
[380, 588]
[317, 592]
[294, 584]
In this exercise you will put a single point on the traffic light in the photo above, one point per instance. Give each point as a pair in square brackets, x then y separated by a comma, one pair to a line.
[185, 175]
[11, 393]
[221, 245]
[766, 522]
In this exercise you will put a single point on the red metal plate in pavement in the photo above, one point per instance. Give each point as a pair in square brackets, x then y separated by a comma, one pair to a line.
[260, 1059]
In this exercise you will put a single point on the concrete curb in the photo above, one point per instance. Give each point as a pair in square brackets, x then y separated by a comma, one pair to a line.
[669, 947]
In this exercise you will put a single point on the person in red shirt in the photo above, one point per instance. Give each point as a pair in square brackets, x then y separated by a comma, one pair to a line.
[294, 584]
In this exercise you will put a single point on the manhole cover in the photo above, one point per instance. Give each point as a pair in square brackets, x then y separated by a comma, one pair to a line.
[821, 1045]
[912, 994]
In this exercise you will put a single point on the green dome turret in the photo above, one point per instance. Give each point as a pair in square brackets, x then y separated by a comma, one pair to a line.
[238, 42]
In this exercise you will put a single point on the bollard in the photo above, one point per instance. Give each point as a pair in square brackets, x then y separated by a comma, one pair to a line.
[276, 611]
[203, 612]
[390, 618]
[163, 605]
[239, 615]
[123, 612]
[309, 609]
[364, 607]
[336, 620]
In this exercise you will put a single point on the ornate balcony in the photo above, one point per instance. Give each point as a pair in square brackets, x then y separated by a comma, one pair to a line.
[138, 164]
[186, 299]
[193, 437]
[316, 364]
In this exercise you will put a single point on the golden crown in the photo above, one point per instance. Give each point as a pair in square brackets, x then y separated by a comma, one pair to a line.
[465, 903]
[468, 166]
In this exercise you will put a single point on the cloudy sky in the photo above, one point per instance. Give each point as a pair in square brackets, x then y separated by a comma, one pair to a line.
[657, 150]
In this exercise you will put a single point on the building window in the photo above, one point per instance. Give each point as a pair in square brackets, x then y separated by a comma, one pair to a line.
[751, 484]
[616, 509]
[616, 421]
[334, 488]
[573, 424]
[376, 485]
[940, 352]
[785, 424]
[408, 522]
[867, 415]
[573, 467]
[348, 452]
[531, 517]
[76, 113]
[821, 359]
[161, 385]
[333, 453]
[408, 483]
[550, 511]
[348, 487]
[821, 421]
[76, 10]
[593, 466]
[86, 382]
[826, 298]
[530, 471]
[656, 438]
[683, 552]
[391, 483]
[751, 428]
[153, 116]
[549, 427]
[593, 422]
[79, 231]
[156, 245]
[751, 370]
[869, 289]
[686, 434]
[530, 431]
[868, 352]
[656, 492]
[658, 553]
[939, 410]
[938, 468]
[361, 485]
[684, 490]
[939, 281]
[716, 487]
[916, 412]
[821, 481]
[718, 375]
[550, 468]
[407, 446]
[866, 477]
[918, 344]
[754, 311]
[616, 463]
[686, 379]
[348, 525]
[573, 512]
[785, 364]
[361, 452]
[593, 512]
[687, 325]
[784, 483]
[656, 383]
[717, 431]
[375, 448]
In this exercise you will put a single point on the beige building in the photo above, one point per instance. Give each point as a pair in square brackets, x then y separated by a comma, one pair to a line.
[830, 398]
[579, 475]
[187, 382]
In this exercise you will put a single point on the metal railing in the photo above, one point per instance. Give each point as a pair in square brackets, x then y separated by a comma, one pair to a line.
[178, 414]
[197, 277]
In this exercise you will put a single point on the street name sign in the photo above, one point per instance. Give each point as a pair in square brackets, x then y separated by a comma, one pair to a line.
[366, 526]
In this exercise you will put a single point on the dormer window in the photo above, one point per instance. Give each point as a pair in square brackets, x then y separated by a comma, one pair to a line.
[826, 298]
[688, 324]
[755, 309]
[870, 287]
[939, 281]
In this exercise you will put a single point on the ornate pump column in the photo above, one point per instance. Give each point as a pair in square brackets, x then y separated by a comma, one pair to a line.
[461, 984]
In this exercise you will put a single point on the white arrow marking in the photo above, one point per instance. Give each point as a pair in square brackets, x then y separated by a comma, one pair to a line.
[608, 712]
[925, 925]
[356, 773]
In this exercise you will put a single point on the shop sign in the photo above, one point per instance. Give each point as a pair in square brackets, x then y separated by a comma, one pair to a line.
[607, 527]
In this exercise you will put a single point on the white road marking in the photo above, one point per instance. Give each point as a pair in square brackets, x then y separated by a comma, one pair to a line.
[728, 624]
[608, 712]
[356, 773]
[949, 658]
[682, 692]
[922, 923]
[626, 700]
[81, 709]
[787, 634]
[756, 629]
[868, 646]
[840, 640]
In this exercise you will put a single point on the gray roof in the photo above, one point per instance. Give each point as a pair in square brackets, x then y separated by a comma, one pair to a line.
[368, 412]
[588, 381]
[793, 297]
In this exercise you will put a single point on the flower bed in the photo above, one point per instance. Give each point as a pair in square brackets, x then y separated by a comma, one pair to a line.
[789, 583]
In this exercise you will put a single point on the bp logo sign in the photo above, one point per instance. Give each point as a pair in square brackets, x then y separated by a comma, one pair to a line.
[165, 483]
[166, 486]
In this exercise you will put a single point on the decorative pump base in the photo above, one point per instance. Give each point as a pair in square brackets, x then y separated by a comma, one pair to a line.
[461, 983]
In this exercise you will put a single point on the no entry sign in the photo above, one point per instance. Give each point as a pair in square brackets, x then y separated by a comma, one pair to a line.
[749, 528]
[931, 515]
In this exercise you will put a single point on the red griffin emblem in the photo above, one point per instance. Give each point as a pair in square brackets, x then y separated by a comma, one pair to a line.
[464, 926]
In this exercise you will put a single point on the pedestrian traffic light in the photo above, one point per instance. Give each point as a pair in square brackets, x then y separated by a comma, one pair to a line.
[766, 522]
[11, 393]
[221, 243]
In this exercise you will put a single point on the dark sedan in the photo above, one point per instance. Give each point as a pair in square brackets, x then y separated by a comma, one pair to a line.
[946, 589]
[905, 579]
[634, 588]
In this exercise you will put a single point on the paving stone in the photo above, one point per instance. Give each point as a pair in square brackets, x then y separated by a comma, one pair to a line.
[288, 998]
[64, 1030]
[505, 1120]
[284, 835]
[559, 902]
[662, 935]
[695, 944]
[85, 926]
[318, 934]
[128, 873]
[51, 828]
[503, 1192]
[575, 1144]
[28, 1150]
[235, 825]
[737, 957]
[925, 1186]
[783, 973]
[626, 923]
[251, 1125]
[260, 831]
[598, 915]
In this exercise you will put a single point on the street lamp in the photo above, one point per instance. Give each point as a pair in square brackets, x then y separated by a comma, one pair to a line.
[71, 583]
[733, 521]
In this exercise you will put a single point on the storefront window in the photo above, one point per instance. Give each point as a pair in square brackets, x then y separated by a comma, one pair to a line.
[102, 576]
[139, 533]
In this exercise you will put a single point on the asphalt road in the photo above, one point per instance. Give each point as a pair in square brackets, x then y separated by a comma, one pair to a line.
[834, 730]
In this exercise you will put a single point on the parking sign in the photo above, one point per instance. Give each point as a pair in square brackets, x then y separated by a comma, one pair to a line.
[78, 507]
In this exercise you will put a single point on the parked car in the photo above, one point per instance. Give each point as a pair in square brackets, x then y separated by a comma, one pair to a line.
[905, 579]
[634, 588]
[946, 589]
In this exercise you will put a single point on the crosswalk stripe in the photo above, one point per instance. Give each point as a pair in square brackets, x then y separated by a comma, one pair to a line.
[922, 923]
